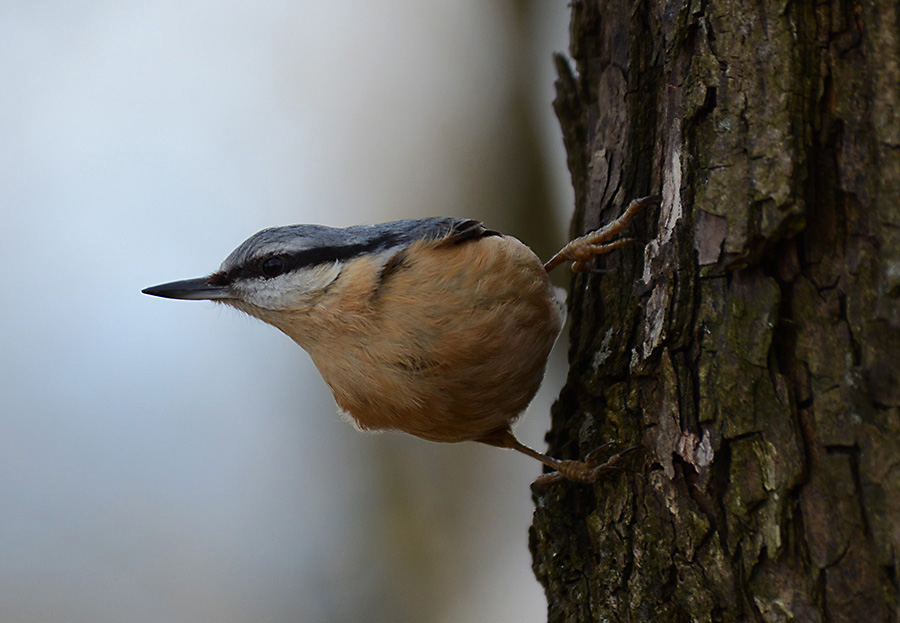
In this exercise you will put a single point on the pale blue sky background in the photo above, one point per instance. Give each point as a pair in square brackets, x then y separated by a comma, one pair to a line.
[169, 462]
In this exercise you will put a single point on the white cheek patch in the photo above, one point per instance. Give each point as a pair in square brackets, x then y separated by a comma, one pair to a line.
[291, 290]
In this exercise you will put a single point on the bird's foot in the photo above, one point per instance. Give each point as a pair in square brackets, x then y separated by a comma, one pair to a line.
[588, 471]
[583, 249]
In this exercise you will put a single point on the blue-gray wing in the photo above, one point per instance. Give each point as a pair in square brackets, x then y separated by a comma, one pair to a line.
[444, 231]
[373, 238]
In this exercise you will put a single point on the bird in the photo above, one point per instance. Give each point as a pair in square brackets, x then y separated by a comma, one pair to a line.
[437, 327]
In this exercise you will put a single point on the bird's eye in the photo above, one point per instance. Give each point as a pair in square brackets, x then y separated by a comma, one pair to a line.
[272, 266]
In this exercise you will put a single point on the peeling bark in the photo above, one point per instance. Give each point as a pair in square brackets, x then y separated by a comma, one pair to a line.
[752, 347]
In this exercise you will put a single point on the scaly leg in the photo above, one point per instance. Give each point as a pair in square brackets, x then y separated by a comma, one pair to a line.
[588, 471]
[583, 249]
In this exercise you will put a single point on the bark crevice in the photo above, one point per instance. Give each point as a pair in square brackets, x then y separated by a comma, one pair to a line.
[752, 347]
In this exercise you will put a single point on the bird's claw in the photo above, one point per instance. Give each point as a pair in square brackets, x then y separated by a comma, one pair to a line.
[588, 471]
[584, 248]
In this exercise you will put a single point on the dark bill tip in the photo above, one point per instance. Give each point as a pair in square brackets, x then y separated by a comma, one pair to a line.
[190, 290]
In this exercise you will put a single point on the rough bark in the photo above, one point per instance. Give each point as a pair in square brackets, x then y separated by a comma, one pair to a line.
[752, 347]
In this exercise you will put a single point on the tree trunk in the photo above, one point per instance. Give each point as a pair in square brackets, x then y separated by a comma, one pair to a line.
[752, 346]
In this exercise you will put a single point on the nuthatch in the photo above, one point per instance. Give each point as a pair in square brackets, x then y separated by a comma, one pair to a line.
[438, 327]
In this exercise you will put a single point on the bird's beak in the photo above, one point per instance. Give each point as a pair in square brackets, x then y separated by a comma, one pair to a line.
[190, 290]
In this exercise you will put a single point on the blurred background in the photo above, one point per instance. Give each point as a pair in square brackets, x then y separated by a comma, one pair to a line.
[173, 461]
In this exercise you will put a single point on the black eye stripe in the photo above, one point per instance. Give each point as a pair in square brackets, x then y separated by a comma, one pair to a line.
[398, 234]
[302, 259]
